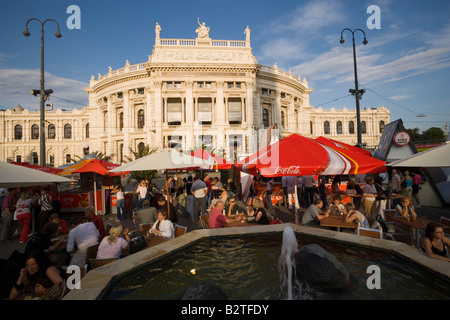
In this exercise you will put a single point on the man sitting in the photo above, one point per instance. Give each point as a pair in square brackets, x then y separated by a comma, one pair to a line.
[313, 215]
[162, 206]
[81, 237]
[147, 214]
[233, 208]
[216, 218]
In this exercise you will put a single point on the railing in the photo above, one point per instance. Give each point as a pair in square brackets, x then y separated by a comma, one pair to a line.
[214, 43]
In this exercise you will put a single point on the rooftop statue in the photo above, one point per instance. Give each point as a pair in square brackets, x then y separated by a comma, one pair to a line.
[157, 30]
[202, 31]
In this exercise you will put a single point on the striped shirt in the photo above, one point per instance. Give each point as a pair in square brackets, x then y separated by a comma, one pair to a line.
[45, 201]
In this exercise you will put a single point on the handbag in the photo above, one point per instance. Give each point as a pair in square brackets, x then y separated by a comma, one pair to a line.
[16, 213]
[137, 244]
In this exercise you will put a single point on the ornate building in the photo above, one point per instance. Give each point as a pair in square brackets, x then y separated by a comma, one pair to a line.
[190, 92]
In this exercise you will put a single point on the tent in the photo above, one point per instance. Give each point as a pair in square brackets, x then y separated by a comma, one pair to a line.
[438, 157]
[337, 144]
[297, 155]
[12, 176]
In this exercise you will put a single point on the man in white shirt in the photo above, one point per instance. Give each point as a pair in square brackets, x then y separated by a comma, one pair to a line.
[199, 190]
[83, 235]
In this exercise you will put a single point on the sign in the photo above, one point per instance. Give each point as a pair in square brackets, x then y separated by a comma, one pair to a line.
[402, 138]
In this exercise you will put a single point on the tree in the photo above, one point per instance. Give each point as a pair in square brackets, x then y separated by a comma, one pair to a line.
[97, 154]
[414, 134]
[434, 134]
[141, 175]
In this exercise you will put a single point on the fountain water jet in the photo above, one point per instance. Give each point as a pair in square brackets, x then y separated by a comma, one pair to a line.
[286, 261]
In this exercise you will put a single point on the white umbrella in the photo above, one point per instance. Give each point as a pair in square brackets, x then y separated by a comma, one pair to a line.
[438, 157]
[165, 159]
[12, 176]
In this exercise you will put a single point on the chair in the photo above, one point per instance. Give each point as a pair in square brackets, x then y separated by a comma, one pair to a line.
[179, 230]
[204, 221]
[95, 263]
[144, 228]
[368, 232]
[91, 252]
[389, 215]
[386, 234]
[445, 222]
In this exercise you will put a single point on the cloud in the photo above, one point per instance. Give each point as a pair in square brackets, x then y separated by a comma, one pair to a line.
[17, 83]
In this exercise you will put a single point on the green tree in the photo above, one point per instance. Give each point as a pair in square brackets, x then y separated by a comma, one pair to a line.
[97, 154]
[414, 134]
[434, 134]
[141, 175]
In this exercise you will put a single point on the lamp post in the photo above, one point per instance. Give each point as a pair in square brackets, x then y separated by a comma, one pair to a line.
[44, 94]
[356, 92]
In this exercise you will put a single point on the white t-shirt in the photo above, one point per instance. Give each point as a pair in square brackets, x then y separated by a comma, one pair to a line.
[83, 236]
[23, 206]
[166, 227]
[114, 250]
[142, 192]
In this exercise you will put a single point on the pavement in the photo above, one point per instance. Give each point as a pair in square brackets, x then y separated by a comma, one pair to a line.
[282, 213]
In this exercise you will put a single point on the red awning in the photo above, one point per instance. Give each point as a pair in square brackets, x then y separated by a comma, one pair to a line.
[337, 144]
[217, 162]
[40, 168]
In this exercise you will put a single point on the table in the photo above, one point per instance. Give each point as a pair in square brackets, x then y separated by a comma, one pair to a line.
[337, 221]
[242, 222]
[419, 223]
[153, 240]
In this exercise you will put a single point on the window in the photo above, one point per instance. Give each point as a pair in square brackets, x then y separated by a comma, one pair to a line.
[171, 85]
[51, 131]
[265, 118]
[339, 127]
[205, 110]
[174, 111]
[235, 111]
[175, 142]
[140, 119]
[283, 122]
[18, 158]
[18, 132]
[120, 121]
[68, 158]
[105, 120]
[326, 127]
[363, 127]
[205, 141]
[382, 126]
[34, 131]
[52, 160]
[204, 85]
[311, 127]
[67, 131]
[87, 130]
[34, 158]
[351, 127]
[141, 147]
[235, 143]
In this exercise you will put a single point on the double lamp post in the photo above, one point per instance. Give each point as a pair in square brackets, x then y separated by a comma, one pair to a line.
[44, 94]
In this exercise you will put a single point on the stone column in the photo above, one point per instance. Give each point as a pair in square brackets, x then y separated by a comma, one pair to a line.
[158, 114]
[126, 124]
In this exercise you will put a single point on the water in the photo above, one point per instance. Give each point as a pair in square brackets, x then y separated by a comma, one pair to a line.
[246, 268]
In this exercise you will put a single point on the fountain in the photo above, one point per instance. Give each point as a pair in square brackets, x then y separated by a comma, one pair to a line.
[286, 261]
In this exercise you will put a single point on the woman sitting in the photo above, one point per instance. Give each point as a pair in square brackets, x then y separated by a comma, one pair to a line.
[405, 209]
[354, 215]
[112, 247]
[38, 276]
[260, 216]
[435, 243]
[163, 227]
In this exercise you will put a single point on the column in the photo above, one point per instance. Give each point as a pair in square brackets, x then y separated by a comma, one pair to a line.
[158, 114]
[220, 107]
[126, 125]
[149, 116]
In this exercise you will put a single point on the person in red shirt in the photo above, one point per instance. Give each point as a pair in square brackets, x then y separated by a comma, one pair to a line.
[62, 229]
[98, 221]
[216, 218]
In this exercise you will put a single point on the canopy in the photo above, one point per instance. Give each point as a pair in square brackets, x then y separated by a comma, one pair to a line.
[40, 168]
[91, 165]
[438, 157]
[297, 155]
[12, 176]
[218, 162]
[337, 144]
[165, 159]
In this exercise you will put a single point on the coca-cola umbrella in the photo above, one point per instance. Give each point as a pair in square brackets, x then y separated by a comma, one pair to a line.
[297, 155]
[338, 144]
[40, 168]
[217, 162]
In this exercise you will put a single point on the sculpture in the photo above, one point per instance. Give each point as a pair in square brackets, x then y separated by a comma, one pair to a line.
[247, 34]
[157, 30]
[202, 31]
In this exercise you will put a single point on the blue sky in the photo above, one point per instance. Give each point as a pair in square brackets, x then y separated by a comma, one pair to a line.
[405, 66]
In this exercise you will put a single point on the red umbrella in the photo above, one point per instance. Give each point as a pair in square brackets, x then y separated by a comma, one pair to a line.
[218, 162]
[297, 155]
[337, 144]
[98, 166]
[40, 168]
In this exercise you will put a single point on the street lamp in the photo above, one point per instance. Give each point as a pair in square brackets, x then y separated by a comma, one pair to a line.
[356, 92]
[44, 94]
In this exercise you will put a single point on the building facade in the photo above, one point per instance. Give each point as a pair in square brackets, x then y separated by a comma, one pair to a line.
[190, 93]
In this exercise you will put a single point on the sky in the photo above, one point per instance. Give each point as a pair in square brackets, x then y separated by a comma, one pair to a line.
[405, 65]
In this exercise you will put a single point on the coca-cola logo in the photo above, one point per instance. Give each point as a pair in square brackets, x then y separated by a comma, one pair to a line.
[292, 170]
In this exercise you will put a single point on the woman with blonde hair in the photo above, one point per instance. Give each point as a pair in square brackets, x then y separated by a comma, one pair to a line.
[113, 245]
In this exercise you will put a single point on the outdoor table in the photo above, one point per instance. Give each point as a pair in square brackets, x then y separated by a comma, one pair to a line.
[242, 222]
[419, 223]
[153, 240]
[337, 221]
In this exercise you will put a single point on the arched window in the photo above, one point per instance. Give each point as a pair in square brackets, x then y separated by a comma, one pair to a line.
[140, 119]
[34, 131]
[18, 132]
[326, 127]
[311, 127]
[339, 127]
[141, 147]
[363, 127]
[87, 130]
[121, 121]
[67, 131]
[382, 126]
[351, 127]
[283, 122]
[34, 158]
[51, 132]
[265, 117]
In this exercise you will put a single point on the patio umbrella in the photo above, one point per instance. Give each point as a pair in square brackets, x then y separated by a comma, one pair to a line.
[297, 155]
[438, 157]
[165, 159]
[12, 176]
[40, 168]
[337, 144]
[218, 162]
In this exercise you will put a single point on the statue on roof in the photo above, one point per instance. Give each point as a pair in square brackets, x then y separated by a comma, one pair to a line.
[247, 34]
[202, 31]
[157, 30]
